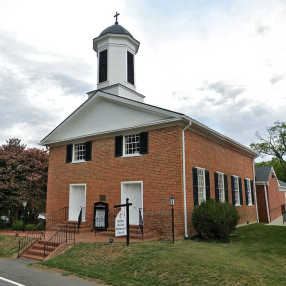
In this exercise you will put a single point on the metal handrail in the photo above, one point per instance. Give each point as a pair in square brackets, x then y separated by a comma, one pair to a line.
[57, 216]
[29, 238]
[62, 235]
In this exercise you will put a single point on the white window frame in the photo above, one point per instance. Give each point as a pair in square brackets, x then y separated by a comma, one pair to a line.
[202, 194]
[221, 190]
[74, 160]
[249, 196]
[124, 154]
[236, 191]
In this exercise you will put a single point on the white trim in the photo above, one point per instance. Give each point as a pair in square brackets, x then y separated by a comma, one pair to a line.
[267, 204]
[71, 185]
[254, 189]
[184, 179]
[129, 183]
[111, 132]
[237, 205]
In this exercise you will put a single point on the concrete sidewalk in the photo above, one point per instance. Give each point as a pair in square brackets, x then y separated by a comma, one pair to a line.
[278, 221]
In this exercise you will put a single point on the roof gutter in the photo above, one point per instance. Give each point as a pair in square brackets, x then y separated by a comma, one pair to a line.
[184, 179]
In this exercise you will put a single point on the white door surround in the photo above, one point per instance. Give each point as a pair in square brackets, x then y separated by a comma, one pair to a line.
[77, 200]
[133, 190]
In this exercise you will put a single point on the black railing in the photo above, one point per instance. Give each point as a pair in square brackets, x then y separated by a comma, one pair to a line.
[29, 238]
[141, 222]
[79, 220]
[58, 216]
[65, 234]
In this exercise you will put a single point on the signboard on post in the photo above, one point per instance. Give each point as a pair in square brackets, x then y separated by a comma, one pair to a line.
[120, 223]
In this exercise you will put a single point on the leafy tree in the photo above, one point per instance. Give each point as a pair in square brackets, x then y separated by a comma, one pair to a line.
[273, 144]
[280, 169]
[23, 177]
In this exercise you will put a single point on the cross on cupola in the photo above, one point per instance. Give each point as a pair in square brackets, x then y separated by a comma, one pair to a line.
[116, 16]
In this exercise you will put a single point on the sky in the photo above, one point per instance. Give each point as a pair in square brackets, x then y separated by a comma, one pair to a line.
[220, 62]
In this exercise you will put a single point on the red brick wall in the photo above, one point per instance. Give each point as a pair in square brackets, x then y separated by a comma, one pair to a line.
[275, 198]
[160, 170]
[202, 152]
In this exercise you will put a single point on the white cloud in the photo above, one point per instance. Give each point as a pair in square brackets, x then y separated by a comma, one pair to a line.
[220, 62]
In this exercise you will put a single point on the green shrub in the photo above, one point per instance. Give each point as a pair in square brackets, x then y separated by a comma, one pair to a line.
[215, 220]
[18, 225]
[30, 227]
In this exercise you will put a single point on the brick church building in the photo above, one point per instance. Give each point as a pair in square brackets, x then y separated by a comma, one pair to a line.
[114, 146]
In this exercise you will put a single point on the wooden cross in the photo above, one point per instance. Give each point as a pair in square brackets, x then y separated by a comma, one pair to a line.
[116, 16]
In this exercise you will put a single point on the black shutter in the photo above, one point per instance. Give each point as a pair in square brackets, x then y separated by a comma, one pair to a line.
[130, 68]
[216, 186]
[232, 190]
[88, 150]
[102, 66]
[118, 146]
[69, 153]
[252, 191]
[246, 193]
[195, 186]
[240, 192]
[208, 189]
[225, 188]
[143, 143]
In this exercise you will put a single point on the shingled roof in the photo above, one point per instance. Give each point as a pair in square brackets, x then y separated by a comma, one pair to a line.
[262, 173]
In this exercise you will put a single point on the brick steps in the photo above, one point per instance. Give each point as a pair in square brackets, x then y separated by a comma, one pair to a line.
[37, 250]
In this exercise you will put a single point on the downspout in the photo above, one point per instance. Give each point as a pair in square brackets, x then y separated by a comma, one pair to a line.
[267, 205]
[254, 187]
[184, 179]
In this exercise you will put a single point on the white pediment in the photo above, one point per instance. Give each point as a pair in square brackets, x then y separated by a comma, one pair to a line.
[103, 114]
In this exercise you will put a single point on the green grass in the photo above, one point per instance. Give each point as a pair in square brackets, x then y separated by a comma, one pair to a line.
[256, 255]
[8, 245]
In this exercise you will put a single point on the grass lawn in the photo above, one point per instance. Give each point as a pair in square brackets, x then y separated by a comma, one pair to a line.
[8, 245]
[256, 255]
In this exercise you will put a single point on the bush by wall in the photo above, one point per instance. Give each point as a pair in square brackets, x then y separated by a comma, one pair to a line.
[30, 227]
[215, 220]
[18, 225]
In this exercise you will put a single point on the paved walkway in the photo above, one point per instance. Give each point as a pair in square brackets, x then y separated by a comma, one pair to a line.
[17, 272]
[278, 221]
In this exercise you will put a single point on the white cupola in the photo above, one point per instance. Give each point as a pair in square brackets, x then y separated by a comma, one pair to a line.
[116, 49]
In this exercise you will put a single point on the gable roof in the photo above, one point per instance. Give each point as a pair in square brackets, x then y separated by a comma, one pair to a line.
[262, 173]
[154, 116]
[282, 184]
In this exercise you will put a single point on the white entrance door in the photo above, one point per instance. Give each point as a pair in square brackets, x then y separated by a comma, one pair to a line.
[76, 202]
[132, 191]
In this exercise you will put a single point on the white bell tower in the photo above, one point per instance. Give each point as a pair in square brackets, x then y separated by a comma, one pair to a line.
[116, 49]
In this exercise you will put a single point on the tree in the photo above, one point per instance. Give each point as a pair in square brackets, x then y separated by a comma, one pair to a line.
[23, 177]
[274, 144]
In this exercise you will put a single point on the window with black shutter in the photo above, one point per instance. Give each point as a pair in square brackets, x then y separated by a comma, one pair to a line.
[118, 146]
[252, 191]
[195, 186]
[207, 182]
[216, 186]
[88, 151]
[69, 153]
[225, 188]
[130, 68]
[240, 192]
[143, 143]
[102, 71]
[246, 191]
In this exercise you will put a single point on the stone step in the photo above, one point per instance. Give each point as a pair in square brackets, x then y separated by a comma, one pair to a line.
[35, 257]
[49, 243]
[40, 246]
[36, 252]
